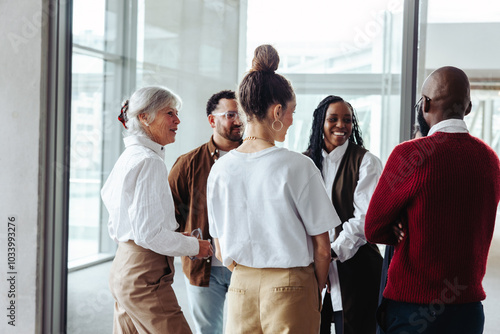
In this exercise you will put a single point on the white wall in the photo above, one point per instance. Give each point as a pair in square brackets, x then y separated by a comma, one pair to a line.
[20, 102]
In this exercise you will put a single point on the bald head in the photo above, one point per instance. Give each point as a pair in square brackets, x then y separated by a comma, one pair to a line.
[449, 90]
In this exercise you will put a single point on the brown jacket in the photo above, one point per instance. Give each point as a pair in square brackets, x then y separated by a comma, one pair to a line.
[188, 181]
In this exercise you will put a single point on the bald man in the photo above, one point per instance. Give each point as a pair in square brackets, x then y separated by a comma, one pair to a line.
[444, 188]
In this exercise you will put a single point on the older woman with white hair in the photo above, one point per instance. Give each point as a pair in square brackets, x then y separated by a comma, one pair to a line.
[142, 219]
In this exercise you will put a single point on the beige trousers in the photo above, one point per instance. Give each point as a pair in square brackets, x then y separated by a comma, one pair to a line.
[141, 284]
[273, 300]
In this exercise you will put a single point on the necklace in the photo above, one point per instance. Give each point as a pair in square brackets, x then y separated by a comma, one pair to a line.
[255, 138]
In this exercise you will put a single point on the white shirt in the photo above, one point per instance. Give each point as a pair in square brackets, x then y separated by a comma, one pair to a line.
[352, 236]
[265, 206]
[449, 125]
[215, 261]
[139, 201]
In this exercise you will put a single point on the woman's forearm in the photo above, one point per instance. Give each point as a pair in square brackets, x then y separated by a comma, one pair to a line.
[322, 258]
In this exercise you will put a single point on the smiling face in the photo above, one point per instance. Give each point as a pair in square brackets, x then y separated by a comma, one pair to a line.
[231, 130]
[163, 129]
[338, 125]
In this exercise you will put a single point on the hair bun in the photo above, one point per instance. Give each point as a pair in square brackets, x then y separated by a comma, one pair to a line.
[265, 59]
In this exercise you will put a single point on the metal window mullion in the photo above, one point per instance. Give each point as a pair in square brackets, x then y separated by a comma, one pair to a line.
[409, 67]
[56, 171]
[129, 47]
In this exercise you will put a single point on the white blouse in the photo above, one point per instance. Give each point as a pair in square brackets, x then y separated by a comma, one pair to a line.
[139, 201]
[352, 236]
[265, 206]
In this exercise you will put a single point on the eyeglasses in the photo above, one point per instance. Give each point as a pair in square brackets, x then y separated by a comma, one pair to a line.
[417, 105]
[198, 235]
[230, 115]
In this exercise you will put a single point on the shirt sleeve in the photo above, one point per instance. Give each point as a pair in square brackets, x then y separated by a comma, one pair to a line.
[151, 212]
[212, 226]
[180, 191]
[315, 208]
[393, 192]
[352, 236]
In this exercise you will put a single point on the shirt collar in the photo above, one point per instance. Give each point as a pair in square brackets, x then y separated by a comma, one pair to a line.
[212, 148]
[449, 126]
[337, 153]
[214, 151]
[146, 142]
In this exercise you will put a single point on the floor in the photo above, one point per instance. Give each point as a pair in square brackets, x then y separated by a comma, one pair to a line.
[90, 305]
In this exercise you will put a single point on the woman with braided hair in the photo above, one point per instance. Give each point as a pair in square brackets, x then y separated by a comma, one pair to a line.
[350, 174]
[269, 214]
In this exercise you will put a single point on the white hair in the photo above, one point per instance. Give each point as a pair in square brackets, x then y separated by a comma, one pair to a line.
[148, 100]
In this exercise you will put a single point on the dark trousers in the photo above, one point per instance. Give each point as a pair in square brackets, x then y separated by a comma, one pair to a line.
[408, 318]
[389, 252]
[328, 316]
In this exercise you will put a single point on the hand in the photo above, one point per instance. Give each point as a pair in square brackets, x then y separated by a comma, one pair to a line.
[218, 253]
[206, 249]
[231, 266]
[398, 231]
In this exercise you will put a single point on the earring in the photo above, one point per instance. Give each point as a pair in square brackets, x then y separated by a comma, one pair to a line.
[146, 123]
[281, 127]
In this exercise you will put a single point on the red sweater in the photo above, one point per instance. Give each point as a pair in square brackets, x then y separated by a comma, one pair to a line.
[445, 188]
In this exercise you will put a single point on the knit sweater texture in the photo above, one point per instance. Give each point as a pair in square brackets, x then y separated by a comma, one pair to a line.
[445, 189]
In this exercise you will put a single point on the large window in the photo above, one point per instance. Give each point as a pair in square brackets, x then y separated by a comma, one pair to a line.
[88, 80]
[464, 35]
[325, 49]
[191, 48]
[348, 48]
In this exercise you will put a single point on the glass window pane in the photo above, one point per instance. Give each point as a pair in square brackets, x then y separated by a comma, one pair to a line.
[450, 38]
[85, 156]
[325, 36]
[88, 23]
[326, 50]
[190, 47]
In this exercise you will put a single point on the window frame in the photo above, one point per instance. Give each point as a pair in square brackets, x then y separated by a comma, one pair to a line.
[53, 304]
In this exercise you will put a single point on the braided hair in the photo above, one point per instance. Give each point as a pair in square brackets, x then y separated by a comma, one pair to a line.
[316, 139]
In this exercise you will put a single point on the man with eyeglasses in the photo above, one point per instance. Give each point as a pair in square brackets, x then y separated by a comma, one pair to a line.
[444, 190]
[207, 280]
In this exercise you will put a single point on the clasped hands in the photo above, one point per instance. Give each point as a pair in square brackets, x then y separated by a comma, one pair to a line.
[398, 231]
[205, 247]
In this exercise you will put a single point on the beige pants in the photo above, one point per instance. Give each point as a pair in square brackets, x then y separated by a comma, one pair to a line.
[273, 300]
[141, 284]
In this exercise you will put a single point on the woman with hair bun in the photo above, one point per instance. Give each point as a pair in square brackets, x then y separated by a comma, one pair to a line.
[142, 219]
[350, 173]
[269, 214]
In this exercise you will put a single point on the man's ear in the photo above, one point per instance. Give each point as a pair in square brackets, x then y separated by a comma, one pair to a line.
[469, 108]
[426, 105]
[211, 120]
